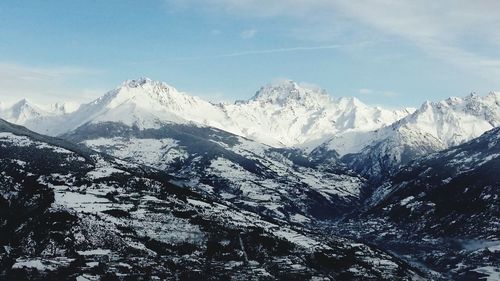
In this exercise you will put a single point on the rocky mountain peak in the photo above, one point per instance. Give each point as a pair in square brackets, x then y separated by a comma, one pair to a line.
[143, 92]
[285, 92]
[145, 85]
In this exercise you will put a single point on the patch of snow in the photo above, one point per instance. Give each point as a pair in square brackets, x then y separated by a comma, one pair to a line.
[406, 200]
[492, 273]
[95, 252]
[37, 264]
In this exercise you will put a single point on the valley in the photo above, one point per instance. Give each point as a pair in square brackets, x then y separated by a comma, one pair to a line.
[291, 184]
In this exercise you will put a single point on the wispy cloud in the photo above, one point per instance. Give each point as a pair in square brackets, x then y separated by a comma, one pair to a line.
[262, 52]
[43, 84]
[448, 30]
[215, 32]
[442, 29]
[371, 92]
[249, 33]
[280, 50]
[365, 91]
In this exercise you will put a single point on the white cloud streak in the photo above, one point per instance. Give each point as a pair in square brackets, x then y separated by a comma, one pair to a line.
[263, 52]
[458, 32]
[370, 92]
[249, 33]
[42, 84]
[280, 50]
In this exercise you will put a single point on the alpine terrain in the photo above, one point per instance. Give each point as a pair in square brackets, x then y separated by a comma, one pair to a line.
[150, 183]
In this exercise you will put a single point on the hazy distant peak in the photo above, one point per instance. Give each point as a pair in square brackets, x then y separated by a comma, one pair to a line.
[62, 108]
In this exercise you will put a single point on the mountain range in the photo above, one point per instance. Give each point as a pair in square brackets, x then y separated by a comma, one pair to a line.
[291, 161]
[280, 114]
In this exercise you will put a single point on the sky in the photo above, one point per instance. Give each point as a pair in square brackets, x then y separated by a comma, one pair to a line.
[392, 53]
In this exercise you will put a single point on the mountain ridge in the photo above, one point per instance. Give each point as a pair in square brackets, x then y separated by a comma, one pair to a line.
[295, 156]
[70, 215]
[432, 127]
[286, 114]
[286, 105]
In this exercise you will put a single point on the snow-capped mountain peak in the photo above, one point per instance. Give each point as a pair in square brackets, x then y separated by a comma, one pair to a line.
[433, 127]
[286, 113]
[282, 113]
[153, 99]
[144, 103]
[144, 92]
[141, 81]
[22, 111]
[494, 95]
[148, 84]
[41, 118]
[23, 103]
[286, 92]
[352, 103]
[456, 120]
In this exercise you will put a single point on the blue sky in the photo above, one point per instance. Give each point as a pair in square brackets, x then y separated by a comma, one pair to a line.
[385, 52]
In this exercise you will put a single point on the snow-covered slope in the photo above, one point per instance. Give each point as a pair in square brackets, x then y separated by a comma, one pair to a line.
[286, 114]
[34, 116]
[304, 116]
[281, 114]
[442, 210]
[456, 120]
[151, 123]
[62, 108]
[433, 127]
[143, 103]
[451, 193]
[279, 183]
[22, 112]
[69, 213]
